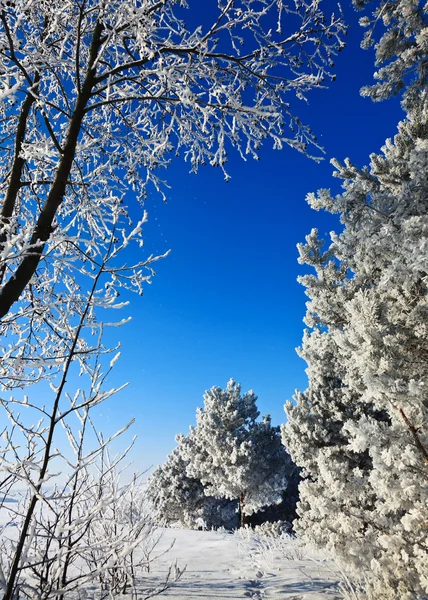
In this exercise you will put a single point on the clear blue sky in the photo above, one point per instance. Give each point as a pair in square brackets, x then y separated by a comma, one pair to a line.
[226, 303]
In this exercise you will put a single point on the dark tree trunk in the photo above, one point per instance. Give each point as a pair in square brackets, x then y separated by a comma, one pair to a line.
[243, 518]
[14, 287]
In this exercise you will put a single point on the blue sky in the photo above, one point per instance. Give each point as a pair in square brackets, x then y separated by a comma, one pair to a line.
[225, 303]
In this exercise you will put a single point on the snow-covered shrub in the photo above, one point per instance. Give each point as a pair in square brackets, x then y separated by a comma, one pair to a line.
[234, 455]
[354, 590]
[360, 431]
[267, 548]
[274, 529]
[122, 541]
[93, 533]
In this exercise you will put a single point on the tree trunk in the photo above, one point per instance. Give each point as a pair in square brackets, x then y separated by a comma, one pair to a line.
[14, 287]
[243, 518]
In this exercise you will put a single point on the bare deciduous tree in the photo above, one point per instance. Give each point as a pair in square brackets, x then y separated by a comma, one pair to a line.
[76, 522]
[99, 93]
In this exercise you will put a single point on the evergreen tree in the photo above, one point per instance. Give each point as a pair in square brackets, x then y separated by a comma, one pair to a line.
[234, 455]
[360, 431]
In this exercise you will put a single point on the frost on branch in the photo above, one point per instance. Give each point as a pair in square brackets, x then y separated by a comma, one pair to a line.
[62, 534]
[97, 96]
[398, 31]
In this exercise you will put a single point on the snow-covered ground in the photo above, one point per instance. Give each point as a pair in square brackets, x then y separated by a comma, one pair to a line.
[225, 566]
[228, 567]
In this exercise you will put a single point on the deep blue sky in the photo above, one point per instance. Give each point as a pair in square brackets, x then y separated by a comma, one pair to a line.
[226, 302]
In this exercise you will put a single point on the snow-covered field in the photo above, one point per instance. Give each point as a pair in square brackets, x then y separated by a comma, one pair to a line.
[231, 566]
[227, 566]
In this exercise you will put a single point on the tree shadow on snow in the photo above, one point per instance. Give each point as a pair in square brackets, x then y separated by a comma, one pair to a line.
[191, 588]
[326, 587]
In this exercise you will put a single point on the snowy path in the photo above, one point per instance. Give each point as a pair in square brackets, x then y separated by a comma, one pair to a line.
[220, 567]
[212, 565]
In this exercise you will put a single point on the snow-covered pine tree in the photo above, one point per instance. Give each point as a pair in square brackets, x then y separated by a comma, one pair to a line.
[366, 349]
[401, 47]
[361, 429]
[177, 499]
[234, 455]
[335, 490]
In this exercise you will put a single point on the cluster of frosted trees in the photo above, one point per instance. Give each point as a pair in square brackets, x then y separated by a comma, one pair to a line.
[360, 430]
[97, 95]
[228, 467]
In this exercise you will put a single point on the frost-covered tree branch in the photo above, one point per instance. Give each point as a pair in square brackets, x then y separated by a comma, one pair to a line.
[360, 430]
[95, 94]
[398, 31]
[73, 531]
